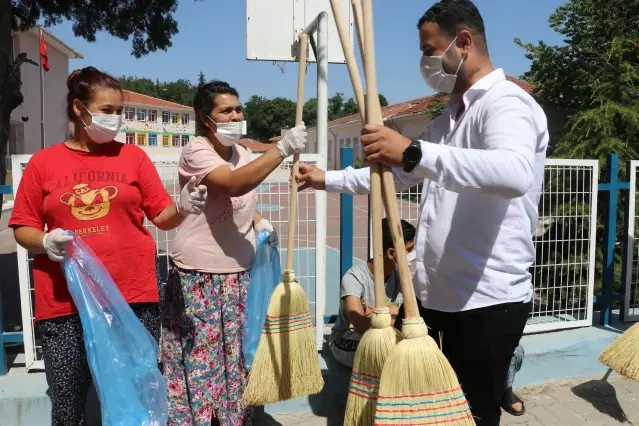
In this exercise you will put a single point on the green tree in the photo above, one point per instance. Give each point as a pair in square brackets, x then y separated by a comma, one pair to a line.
[335, 105]
[382, 100]
[201, 80]
[180, 91]
[350, 107]
[149, 24]
[592, 81]
[436, 106]
[267, 117]
[589, 88]
[310, 113]
[145, 86]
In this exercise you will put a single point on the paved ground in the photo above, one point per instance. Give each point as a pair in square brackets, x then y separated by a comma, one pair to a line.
[577, 402]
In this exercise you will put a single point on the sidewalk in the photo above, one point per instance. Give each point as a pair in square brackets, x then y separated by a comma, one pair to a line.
[575, 402]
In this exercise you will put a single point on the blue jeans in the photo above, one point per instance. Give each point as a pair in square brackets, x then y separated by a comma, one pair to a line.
[515, 365]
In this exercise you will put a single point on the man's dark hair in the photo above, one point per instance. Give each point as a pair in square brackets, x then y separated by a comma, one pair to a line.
[387, 238]
[455, 15]
[204, 101]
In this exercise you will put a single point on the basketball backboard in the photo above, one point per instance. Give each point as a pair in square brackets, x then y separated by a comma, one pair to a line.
[273, 27]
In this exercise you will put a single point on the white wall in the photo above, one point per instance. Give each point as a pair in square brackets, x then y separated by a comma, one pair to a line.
[55, 91]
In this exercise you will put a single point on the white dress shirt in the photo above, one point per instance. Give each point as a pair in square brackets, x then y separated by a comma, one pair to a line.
[483, 174]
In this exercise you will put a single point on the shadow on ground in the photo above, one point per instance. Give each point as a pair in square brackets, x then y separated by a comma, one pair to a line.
[331, 402]
[602, 396]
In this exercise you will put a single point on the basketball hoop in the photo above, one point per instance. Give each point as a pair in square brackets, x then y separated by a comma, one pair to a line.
[281, 65]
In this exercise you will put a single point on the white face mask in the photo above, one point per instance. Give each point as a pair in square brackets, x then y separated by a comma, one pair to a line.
[229, 133]
[410, 258]
[104, 127]
[432, 70]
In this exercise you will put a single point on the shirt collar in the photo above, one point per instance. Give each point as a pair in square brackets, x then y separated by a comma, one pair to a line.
[479, 89]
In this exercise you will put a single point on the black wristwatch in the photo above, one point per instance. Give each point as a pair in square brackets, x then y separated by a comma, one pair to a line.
[412, 156]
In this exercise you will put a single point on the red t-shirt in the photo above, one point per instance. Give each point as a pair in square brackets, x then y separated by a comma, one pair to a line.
[103, 197]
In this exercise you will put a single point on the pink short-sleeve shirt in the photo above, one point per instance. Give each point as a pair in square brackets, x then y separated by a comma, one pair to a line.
[222, 238]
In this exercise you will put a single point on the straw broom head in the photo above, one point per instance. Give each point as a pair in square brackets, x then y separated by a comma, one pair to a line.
[286, 364]
[622, 355]
[418, 386]
[372, 351]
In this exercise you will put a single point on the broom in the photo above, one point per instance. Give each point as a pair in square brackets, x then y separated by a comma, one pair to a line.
[286, 364]
[417, 386]
[381, 337]
[622, 355]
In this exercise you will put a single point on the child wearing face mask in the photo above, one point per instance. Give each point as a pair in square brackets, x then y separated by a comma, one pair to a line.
[101, 190]
[357, 296]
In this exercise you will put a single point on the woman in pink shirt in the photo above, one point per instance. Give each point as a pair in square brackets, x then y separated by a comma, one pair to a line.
[211, 262]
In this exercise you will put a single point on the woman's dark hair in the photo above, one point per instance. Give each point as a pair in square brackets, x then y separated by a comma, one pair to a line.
[82, 84]
[204, 101]
[387, 238]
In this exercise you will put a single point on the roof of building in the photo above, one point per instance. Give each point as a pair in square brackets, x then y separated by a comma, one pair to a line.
[138, 98]
[55, 42]
[256, 146]
[413, 107]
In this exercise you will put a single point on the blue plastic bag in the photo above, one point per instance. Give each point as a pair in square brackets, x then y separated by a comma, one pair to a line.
[122, 355]
[266, 274]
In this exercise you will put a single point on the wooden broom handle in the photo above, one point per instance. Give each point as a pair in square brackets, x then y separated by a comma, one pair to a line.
[299, 110]
[359, 25]
[376, 191]
[374, 116]
[349, 54]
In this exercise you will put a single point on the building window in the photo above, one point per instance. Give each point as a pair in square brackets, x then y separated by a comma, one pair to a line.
[166, 140]
[348, 142]
[185, 118]
[176, 141]
[174, 117]
[141, 114]
[129, 113]
[166, 117]
[141, 139]
[185, 140]
[153, 115]
[153, 139]
[130, 138]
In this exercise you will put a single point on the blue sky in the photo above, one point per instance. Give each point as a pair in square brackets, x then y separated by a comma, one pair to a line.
[212, 38]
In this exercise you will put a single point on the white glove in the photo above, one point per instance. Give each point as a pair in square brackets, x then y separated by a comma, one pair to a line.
[192, 198]
[293, 142]
[265, 225]
[55, 244]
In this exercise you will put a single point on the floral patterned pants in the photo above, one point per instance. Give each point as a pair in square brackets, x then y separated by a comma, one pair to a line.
[202, 348]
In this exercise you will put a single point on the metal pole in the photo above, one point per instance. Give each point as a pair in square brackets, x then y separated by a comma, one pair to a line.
[41, 93]
[320, 25]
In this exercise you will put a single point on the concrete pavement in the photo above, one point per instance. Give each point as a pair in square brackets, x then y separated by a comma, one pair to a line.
[574, 402]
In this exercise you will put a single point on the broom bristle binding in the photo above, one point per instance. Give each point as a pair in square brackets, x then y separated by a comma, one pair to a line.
[286, 363]
[418, 386]
[622, 355]
[372, 351]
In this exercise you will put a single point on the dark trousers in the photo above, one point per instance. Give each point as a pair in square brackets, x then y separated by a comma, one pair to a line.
[479, 344]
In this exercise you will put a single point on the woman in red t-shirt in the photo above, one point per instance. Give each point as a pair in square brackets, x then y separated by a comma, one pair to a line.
[101, 190]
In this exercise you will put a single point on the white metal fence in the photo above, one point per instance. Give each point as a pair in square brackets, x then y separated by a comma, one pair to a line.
[564, 270]
[273, 201]
[631, 296]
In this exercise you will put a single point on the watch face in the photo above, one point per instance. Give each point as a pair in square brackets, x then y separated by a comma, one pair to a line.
[414, 152]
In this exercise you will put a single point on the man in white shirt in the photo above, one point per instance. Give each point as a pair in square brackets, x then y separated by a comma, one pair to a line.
[481, 163]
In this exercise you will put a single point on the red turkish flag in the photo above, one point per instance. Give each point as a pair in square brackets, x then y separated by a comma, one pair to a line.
[43, 54]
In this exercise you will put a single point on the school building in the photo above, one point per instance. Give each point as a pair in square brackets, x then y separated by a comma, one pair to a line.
[156, 125]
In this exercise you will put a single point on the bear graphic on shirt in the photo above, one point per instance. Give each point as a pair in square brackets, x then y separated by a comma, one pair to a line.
[87, 203]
